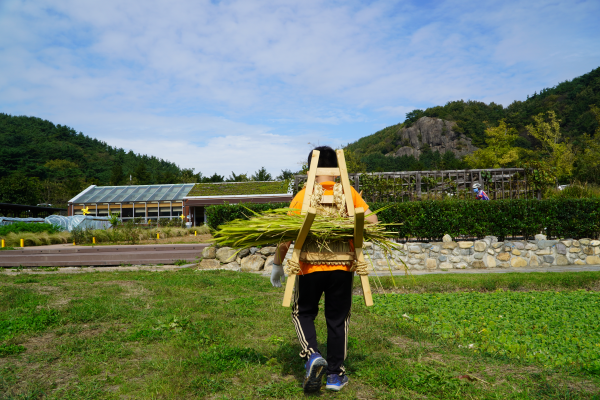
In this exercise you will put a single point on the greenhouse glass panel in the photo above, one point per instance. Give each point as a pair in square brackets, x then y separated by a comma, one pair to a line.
[143, 195]
[162, 190]
[182, 191]
[135, 193]
[124, 193]
[94, 194]
[107, 195]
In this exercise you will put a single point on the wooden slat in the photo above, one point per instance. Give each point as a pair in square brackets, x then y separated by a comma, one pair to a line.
[310, 256]
[291, 281]
[310, 183]
[359, 227]
[327, 199]
[327, 171]
[345, 182]
[359, 223]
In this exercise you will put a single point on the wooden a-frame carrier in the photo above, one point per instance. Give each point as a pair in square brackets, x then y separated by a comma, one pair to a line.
[359, 220]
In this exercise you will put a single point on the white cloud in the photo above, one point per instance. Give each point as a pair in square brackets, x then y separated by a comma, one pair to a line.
[125, 71]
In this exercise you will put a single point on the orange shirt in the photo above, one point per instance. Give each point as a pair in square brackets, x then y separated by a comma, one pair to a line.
[328, 190]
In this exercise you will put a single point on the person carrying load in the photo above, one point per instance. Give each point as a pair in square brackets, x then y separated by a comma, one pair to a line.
[315, 277]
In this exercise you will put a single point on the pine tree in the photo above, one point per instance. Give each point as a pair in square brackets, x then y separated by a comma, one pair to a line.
[141, 175]
[262, 175]
[116, 175]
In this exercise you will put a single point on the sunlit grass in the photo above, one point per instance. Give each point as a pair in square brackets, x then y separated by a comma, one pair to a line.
[222, 334]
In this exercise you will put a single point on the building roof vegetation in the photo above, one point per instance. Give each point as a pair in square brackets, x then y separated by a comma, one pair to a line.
[239, 188]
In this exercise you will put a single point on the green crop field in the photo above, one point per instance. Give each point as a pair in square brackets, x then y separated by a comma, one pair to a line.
[224, 335]
[551, 328]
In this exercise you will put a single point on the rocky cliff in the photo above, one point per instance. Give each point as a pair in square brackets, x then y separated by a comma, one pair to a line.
[435, 132]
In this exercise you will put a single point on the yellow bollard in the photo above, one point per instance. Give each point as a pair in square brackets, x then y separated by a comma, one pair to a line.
[3, 244]
[73, 243]
[158, 235]
[93, 240]
[195, 233]
[22, 243]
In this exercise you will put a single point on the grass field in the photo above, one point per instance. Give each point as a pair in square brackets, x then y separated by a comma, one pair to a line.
[220, 334]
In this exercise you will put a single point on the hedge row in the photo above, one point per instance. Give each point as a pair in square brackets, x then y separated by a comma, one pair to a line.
[566, 218]
[19, 227]
[218, 215]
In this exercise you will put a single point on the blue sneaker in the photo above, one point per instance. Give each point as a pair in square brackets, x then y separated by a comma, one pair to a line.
[336, 382]
[316, 367]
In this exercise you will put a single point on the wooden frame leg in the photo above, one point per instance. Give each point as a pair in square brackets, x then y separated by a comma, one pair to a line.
[291, 281]
[359, 226]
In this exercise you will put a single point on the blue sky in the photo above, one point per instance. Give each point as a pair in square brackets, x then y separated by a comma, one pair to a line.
[224, 86]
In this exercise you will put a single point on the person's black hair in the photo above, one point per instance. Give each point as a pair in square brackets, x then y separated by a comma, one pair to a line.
[327, 157]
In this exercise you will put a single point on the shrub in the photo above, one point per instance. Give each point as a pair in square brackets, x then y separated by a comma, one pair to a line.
[19, 227]
[200, 230]
[217, 215]
[574, 191]
[36, 239]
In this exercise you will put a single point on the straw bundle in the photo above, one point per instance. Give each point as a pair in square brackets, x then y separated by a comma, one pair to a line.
[282, 225]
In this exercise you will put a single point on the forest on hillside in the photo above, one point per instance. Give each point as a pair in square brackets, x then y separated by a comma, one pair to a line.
[556, 132]
[44, 163]
[561, 119]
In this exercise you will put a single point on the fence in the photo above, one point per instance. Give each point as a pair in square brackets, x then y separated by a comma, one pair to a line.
[501, 183]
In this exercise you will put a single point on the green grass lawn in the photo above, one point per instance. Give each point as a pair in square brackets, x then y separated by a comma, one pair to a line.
[220, 334]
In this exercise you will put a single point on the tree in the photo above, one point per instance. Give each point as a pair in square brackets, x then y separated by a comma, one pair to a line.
[414, 116]
[215, 178]
[141, 176]
[285, 175]
[187, 176]
[20, 189]
[500, 151]
[63, 182]
[353, 163]
[587, 165]
[237, 178]
[262, 175]
[167, 178]
[116, 175]
[559, 153]
[449, 161]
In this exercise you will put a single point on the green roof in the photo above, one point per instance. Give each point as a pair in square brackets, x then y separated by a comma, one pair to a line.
[238, 188]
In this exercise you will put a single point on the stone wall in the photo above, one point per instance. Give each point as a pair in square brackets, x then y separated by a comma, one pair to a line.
[249, 260]
[490, 253]
[448, 254]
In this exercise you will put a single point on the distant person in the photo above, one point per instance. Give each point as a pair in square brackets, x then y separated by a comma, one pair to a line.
[479, 194]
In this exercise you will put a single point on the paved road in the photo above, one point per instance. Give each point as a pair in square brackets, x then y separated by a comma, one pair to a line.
[69, 255]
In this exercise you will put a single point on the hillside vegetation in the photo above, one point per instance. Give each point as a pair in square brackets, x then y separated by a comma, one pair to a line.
[41, 162]
[570, 104]
[45, 163]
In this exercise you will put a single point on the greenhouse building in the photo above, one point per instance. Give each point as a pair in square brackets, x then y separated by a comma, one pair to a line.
[151, 202]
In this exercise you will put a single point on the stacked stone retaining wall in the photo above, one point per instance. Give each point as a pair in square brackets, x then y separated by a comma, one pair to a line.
[445, 255]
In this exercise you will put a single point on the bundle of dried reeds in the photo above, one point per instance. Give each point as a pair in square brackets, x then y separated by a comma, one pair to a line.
[282, 225]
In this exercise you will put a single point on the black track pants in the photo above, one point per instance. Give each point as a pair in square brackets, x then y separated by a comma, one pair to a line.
[337, 286]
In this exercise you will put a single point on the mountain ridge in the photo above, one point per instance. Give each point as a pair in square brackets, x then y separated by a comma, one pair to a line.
[571, 100]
